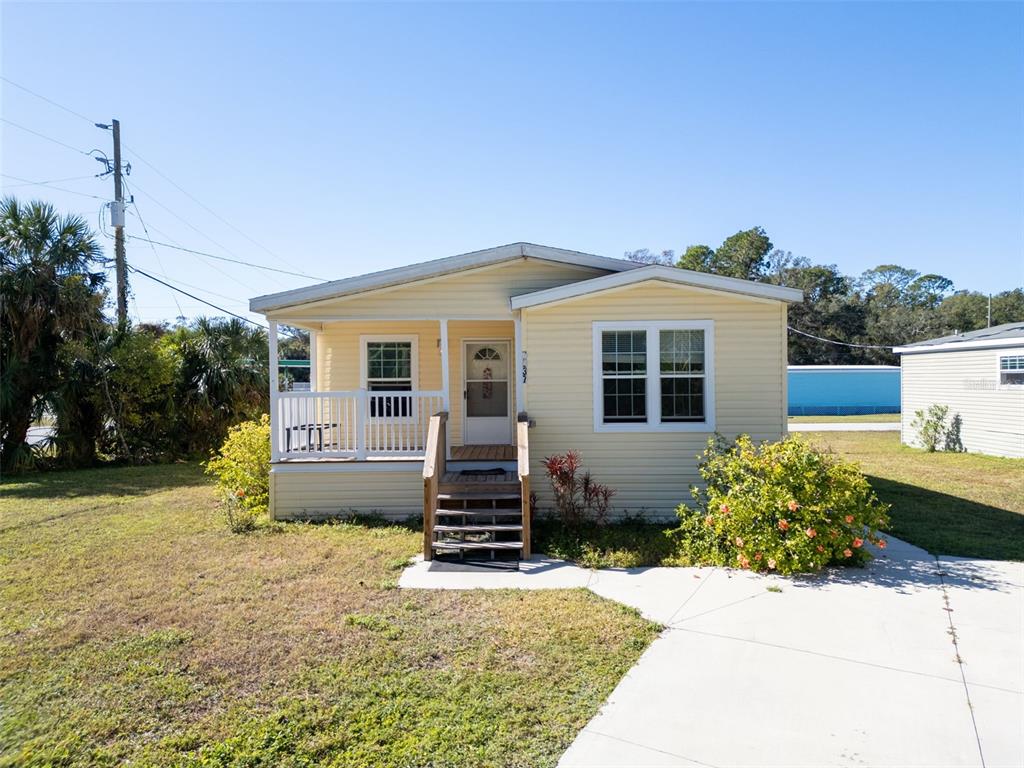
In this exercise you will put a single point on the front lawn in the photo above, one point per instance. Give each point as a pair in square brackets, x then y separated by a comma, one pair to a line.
[962, 504]
[135, 628]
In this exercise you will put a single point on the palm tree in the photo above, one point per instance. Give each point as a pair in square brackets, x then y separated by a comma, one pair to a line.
[48, 296]
[224, 378]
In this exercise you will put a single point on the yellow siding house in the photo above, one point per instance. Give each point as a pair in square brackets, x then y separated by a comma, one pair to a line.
[439, 388]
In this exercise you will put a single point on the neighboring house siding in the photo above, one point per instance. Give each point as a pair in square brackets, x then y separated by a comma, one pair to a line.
[651, 471]
[482, 293]
[338, 355]
[318, 492]
[966, 381]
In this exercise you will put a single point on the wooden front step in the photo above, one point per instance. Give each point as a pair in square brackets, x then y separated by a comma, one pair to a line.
[478, 528]
[479, 496]
[468, 545]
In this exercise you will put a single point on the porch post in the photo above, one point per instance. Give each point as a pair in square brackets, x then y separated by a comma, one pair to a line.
[275, 424]
[445, 383]
[519, 364]
[312, 361]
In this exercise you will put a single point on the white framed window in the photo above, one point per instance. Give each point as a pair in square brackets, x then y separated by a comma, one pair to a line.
[655, 376]
[1011, 371]
[388, 364]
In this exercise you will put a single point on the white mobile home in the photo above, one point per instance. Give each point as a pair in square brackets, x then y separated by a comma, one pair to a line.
[980, 376]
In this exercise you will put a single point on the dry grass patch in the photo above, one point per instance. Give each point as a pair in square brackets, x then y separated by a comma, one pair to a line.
[135, 628]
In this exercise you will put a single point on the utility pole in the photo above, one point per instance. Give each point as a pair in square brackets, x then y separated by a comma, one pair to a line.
[117, 218]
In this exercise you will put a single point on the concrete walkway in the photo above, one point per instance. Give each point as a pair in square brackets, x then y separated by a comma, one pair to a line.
[845, 426]
[913, 661]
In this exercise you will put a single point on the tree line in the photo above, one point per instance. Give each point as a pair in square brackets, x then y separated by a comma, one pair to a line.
[142, 393]
[863, 316]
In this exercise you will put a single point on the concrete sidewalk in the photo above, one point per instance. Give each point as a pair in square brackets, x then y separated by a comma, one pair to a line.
[912, 661]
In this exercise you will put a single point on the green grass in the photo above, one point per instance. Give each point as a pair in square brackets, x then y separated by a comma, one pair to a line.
[876, 418]
[134, 628]
[961, 504]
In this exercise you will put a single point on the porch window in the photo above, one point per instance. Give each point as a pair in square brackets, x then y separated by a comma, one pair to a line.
[654, 376]
[1011, 371]
[388, 366]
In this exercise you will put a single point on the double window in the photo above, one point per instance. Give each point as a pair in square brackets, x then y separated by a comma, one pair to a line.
[655, 376]
[388, 365]
[1011, 371]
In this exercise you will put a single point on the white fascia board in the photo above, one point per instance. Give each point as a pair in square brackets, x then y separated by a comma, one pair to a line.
[428, 269]
[956, 346]
[663, 274]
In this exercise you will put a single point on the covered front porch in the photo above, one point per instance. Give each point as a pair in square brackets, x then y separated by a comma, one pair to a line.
[374, 384]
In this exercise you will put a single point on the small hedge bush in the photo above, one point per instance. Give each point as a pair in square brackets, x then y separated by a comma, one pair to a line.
[782, 507]
[242, 469]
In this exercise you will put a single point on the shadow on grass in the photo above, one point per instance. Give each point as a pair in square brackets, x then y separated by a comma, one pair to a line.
[950, 525]
[107, 481]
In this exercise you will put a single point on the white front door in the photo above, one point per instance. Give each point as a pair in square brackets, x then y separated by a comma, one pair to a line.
[487, 393]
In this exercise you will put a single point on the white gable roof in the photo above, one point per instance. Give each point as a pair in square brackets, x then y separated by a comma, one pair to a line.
[663, 274]
[428, 269]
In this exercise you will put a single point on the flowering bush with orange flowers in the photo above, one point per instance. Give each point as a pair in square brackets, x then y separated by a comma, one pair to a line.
[242, 469]
[784, 507]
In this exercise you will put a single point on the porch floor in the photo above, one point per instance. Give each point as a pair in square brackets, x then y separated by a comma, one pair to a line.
[483, 453]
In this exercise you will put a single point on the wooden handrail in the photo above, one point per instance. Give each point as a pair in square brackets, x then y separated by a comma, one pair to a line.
[523, 467]
[434, 465]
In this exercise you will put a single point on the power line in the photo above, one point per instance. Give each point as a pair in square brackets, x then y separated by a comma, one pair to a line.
[189, 224]
[205, 207]
[48, 101]
[48, 185]
[44, 136]
[840, 343]
[51, 181]
[155, 254]
[193, 296]
[221, 258]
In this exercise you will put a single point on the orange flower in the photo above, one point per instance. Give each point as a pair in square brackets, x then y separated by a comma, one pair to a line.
[744, 562]
[793, 506]
[239, 493]
[724, 509]
[709, 520]
[820, 548]
[771, 562]
[881, 543]
[739, 542]
[857, 543]
[758, 557]
[811, 533]
[783, 525]
[849, 518]
[847, 552]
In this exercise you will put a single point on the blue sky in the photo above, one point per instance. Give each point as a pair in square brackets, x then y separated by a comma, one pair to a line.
[346, 138]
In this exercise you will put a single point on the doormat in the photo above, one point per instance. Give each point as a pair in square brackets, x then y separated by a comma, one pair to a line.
[472, 566]
[474, 472]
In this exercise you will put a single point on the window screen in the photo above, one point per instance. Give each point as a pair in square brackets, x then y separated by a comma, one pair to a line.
[1011, 371]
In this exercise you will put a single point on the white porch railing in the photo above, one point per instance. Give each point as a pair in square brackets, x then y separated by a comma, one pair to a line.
[357, 425]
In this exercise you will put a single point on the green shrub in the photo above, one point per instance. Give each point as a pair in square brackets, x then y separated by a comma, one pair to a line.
[781, 506]
[242, 469]
[930, 426]
[628, 543]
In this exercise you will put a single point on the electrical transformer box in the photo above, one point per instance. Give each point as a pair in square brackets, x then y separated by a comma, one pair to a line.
[116, 214]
